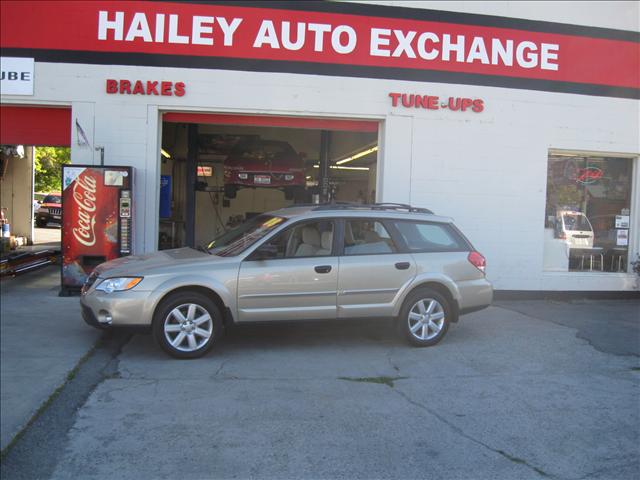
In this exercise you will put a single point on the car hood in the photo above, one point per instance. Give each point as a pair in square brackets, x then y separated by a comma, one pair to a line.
[152, 262]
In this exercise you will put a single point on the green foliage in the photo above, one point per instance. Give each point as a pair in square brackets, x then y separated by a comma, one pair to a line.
[48, 166]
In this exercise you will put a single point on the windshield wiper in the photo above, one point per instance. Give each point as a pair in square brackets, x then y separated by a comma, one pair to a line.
[202, 248]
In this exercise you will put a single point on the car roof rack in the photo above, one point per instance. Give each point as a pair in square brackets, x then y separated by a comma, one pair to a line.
[371, 206]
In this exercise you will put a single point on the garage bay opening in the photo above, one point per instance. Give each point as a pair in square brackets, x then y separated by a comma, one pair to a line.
[220, 170]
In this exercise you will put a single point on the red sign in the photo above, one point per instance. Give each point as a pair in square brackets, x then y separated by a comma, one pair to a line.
[432, 102]
[229, 31]
[589, 175]
[138, 87]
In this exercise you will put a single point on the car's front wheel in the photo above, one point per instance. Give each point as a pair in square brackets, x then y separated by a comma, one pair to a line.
[424, 317]
[186, 325]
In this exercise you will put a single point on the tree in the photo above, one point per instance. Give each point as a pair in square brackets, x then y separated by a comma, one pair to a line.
[48, 166]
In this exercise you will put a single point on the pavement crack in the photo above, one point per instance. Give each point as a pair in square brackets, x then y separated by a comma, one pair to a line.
[560, 324]
[461, 432]
[220, 368]
[388, 381]
[393, 365]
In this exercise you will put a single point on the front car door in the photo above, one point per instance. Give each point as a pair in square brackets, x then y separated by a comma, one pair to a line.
[293, 276]
[372, 271]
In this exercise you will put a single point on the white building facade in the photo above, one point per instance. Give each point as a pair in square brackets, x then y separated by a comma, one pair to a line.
[501, 115]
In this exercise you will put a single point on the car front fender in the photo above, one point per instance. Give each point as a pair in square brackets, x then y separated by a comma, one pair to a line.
[226, 291]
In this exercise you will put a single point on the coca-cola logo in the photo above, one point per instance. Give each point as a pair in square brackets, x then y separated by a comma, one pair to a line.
[84, 194]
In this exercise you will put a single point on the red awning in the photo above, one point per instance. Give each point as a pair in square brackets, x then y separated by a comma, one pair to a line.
[41, 126]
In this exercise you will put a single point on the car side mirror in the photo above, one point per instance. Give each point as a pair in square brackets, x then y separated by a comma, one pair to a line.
[265, 252]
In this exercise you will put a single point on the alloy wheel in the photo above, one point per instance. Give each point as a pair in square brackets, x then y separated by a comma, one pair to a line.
[426, 319]
[188, 327]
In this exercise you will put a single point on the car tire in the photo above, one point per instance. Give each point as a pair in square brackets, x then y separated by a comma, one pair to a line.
[424, 317]
[230, 191]
[187, 324]
[297, 194]
[40, 224]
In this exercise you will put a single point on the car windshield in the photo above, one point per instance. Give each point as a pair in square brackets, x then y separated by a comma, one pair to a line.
[239, 239]
[263, 150]
[52, 199]
[576, 221]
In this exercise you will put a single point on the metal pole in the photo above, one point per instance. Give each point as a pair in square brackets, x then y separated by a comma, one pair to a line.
[325, 142]
[190, 191]
[101, 150]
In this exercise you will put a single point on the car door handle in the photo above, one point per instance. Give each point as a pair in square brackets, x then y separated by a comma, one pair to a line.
[323, 268]
[403, 265]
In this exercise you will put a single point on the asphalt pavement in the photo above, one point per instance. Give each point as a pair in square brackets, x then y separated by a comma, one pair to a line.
[524, 389]
[41, 342]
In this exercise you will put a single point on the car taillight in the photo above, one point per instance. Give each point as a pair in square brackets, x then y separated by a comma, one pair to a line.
[478, 261]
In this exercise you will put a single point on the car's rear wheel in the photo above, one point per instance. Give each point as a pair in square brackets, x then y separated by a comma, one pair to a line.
[424, 317]
[297, 194]
[186, 325]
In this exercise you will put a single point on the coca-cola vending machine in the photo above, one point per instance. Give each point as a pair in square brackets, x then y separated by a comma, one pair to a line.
[97, 220]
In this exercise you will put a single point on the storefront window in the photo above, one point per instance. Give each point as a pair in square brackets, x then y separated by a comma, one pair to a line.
[588, 213]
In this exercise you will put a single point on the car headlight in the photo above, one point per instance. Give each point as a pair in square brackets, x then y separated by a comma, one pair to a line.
[288, 178]
[43, 210]
[118, 284]
[243, 176]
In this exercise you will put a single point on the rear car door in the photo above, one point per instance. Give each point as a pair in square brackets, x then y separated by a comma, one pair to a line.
[373, 271]
[293, 276]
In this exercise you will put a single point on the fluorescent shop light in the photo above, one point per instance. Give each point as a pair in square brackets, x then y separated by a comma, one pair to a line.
[358, 155]
[164, 153]
[344, 168]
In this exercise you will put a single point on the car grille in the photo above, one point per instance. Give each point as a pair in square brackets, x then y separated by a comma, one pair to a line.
[55, 211]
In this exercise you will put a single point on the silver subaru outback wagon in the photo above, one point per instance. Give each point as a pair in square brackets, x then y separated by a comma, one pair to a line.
[310, 262]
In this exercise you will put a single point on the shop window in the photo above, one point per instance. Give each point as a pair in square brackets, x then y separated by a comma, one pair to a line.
[588, 213]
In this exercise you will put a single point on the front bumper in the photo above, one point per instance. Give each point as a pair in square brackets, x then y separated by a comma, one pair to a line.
[49, 218]
[276, 179]
[117, 309]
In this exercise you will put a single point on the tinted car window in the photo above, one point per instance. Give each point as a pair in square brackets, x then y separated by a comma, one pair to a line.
[52, 199]
[573, 221]
[366, 237]
[430, 237]
[263, 150]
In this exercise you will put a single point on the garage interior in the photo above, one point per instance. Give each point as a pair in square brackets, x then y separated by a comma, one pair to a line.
[25, 128]
[321, 161]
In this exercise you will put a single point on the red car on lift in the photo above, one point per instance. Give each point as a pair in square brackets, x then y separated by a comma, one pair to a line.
[265, 163]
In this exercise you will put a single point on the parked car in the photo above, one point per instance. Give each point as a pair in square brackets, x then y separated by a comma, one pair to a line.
[575, 228]
[264, 163]
[50, 210]
[298, 263]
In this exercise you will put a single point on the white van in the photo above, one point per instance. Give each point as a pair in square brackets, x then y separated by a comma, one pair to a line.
[575, 228]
